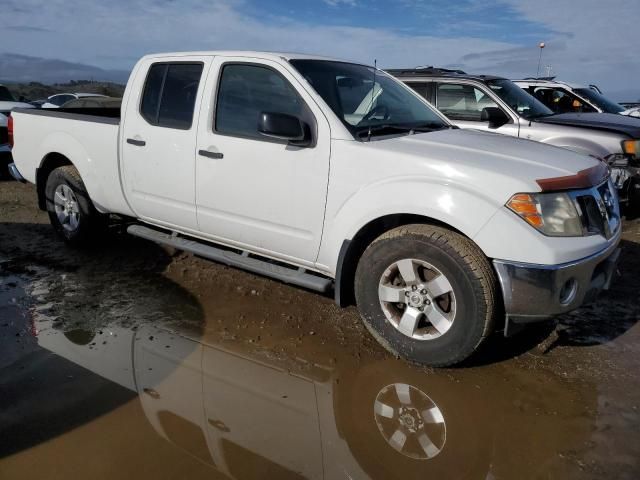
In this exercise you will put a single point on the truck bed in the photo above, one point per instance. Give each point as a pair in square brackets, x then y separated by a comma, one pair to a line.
[87, 137]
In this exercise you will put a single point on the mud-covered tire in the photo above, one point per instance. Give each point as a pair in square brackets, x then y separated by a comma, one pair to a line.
[91, 223]
[470, 278]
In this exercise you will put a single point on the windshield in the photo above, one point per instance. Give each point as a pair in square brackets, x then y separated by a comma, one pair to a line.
[5, 95]
[599, 100]
[519, 100]
[365, 108]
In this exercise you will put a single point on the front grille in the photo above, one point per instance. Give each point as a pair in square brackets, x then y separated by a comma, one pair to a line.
[4, 135]
[599, 210]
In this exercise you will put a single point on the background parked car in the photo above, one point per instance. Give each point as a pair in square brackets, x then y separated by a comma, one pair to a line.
[496, 104]
[562, 97]
[94, 102]
[56, 101]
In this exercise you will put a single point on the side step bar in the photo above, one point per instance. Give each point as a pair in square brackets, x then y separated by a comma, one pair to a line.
[296, 276]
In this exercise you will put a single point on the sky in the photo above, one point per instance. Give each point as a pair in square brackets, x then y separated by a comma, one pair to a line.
[587, 41]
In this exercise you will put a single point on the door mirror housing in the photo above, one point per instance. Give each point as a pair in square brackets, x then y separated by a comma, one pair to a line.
[283, 126]
[495, 116]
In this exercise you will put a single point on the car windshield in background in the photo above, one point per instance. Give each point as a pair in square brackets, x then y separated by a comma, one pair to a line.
[526, 105]
[5, 95]
[364, 108]
[599, 100]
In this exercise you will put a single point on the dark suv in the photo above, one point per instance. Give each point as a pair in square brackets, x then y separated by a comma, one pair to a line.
[497, 104]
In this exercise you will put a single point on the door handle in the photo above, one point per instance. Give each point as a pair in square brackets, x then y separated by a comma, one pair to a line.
[208, 154]
[137, 143]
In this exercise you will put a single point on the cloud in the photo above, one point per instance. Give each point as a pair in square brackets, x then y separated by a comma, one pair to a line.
[23, 68]
[590, 43]
[137, 27]
[335, 3]
[26, 28]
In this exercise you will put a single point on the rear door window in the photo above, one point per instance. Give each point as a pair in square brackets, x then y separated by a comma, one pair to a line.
[169, 95]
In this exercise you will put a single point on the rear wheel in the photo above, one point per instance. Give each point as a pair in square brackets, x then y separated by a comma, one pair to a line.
[70, 210]
[427, 294]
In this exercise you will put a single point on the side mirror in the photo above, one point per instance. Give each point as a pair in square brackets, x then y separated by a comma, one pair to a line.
[495, 116]
[284, 127]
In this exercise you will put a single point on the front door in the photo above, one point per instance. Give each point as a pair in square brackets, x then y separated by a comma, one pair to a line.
[159, 133]
[252, 190]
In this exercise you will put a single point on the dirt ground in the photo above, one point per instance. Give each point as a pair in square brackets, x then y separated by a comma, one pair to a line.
[134, 361]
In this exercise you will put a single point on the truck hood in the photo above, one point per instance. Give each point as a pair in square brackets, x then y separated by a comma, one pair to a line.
[494, 163]
[611, 122]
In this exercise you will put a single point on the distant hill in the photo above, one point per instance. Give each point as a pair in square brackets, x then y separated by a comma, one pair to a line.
[35, 90]
[15, 68]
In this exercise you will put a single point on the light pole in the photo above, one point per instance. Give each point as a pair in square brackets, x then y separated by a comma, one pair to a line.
[541, 45]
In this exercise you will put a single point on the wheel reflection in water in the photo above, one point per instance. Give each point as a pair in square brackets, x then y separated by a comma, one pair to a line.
[410, 421]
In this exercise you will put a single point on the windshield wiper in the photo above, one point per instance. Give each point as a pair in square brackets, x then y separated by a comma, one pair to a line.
[373, 129]
[410, 129]
[430, 127]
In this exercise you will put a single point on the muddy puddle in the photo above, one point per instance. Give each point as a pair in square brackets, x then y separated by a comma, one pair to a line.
[132, 361]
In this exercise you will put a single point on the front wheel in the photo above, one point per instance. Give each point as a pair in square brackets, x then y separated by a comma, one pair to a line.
[71, 212]
[427, 294]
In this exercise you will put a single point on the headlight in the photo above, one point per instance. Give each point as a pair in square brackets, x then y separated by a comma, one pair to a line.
[631, 147]
[553, 214]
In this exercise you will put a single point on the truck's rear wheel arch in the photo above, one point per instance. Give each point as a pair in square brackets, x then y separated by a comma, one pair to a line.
[49, 163]
[352, 250]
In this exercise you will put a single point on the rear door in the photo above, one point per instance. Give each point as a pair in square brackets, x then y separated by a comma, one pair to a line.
[255, 191]
[158, 137]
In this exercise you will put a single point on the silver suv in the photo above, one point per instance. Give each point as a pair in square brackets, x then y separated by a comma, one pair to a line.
[496, 104]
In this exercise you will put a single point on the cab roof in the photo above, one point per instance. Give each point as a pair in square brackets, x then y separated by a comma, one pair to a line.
[246, 53]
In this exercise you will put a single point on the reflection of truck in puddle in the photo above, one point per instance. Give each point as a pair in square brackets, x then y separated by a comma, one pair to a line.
[248, 417]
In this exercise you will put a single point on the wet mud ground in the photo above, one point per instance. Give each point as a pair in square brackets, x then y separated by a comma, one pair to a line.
[134, 361]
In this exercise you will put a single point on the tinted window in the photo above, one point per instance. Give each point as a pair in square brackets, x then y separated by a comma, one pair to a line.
[462, 102]
[247, 90]
[600, 100]
[170, 94]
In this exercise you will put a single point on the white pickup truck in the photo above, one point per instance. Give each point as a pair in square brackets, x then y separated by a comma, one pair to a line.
[323, 173]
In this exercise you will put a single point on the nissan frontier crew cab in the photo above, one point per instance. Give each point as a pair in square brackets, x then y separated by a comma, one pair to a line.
[328, 174]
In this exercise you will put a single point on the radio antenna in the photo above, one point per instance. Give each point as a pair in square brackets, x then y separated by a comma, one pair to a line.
[373, 91]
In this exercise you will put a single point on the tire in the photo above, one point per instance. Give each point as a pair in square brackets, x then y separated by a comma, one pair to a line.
[399, 285]
[71, 212]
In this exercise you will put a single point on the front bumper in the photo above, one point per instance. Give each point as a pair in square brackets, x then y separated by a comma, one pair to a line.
[536, 292]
